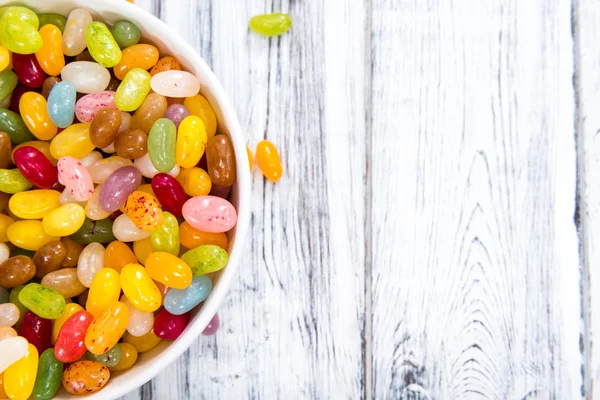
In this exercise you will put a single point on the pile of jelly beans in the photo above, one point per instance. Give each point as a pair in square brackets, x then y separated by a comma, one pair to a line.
[114, 181]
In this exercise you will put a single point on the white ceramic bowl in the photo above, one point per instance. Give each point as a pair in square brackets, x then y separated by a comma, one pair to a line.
[169, 43]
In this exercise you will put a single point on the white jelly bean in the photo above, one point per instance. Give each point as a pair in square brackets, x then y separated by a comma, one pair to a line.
[140, 322]
[9, 314]
[86, 76]
[125, 230]
[93, 209]
[175, 84]
[12, 350]
[91, 260]
[74, 34]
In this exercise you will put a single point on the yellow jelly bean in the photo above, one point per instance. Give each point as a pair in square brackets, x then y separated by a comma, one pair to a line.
[139, 288]
[34, 204]
[169, 270]
[50, 56]
[70, 309]
[44, 147]
[133, 90]
[102, 45]
[191, 141]
[195, 181]
[65, 220]
[3, 394]
[19, 378]
[73, 141]
[5, 222]
[142, 343]
[104, 291]
[142, 249]
[5, 58]
[199, 106]
[34, 111]
[129, 355]
[107, 328]
[29, 235]
[144, 210]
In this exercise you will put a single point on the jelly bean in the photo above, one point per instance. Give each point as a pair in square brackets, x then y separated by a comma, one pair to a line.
[28, 235]
[34, 204]
[146, 167]
[140, 322]
[191, 141]
[16, 271]
[14, 298]
[129, 356]
[35, 115]
[101, 170]
[88, 107]
[70, 343]
[76, 178]
[101, 45]
[220, 191]
[49, 83]
[85, 377]
[12, 349]
[169, 326]
[18, 30]
[169, 270]
[195, 181]
[50, 57]
[119, 185]
[142, 249]
[15, 97]
[44, 147]
[73, 141]
[142, 343]
[49, 376]
[94, 231]
[6, 333]
[90, 262]
[74, 250]
[8, 83]
[53, 19]
[28, 70]
[91, 158]
[49, 258]
[144, 211]
[170, 193]
[9, 315]
[175, 84]
[70, 309]
[65, 282]
[220, 157]
[42, 301]
[199, 106]
[117, 255]
[271, 24]
[108, 359]
[93, 210]
[7, 102]
[250, 159]
[131, 144]
[35, 167]
[5, 222]
[210, 213]
[107, 328]
[86, 76]
[206, 259]
[19, 378]
[133, 90]
[12, 124]
[4, 198]
[268, 160]
[212, 326]
[61, 104]
[5, 59]
[153, 108]
[105, 126]
[177, 113]
[162, 144]
[74, 33]
[37, 331]
[5, 150]
[139, 288]
[64, 221]
[105, 290]
[126, 34]
[166, 64]
[165, 238]
[142, 56]
[3, 292]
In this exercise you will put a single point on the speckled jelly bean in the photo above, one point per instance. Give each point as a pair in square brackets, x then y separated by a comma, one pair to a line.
[195, 181]
[107, 328]
[12, 349]
[133, 90]
[129, 356]
[101, 170]
[212, 327]
[101, 44]
[104, 290]
[198, 105]
[126, 34]
[57, 20]
[74, 33]
[28, 235]
[146, 167]
[42, 301]
[169, 326]
[8, 83]
[28, 70]
[19, 378]
[210, 213]
[119, 185]
[37, 331]
[16, 271]
[142, 343]
[9, 314]
[86, 76]
[90, 262]
[34, 204]
[49, 376]
[12, 124]
[140, 288]
[144, 210]
[108, 359]
[206, 259]
[85, 377]
[170, 193]
[19, 30]
[36, 167]
[220, 157]
[70, 343]
[90, 105]
[50, 57]
[73, 141]
[70, 309]
[166, 64]
[125, 230]
[153, 108]
[65, 282]
[271, 24]
[175, 84]
[76, 178]
[61, 104]
[165, 238]
[49, 257]
[162, 145]
[35, 115]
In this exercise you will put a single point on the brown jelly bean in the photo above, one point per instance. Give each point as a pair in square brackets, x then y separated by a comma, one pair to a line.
[165, 64]
[4, 198]
[49, 258]
[48, 85]
[82, 298]
[74, 249]
[105, 127]
[154, 107]
[5, 150]
[221, 160]
[131, 144]
[16, 271]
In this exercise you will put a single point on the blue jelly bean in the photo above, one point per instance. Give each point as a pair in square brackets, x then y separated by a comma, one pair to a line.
[3, 296]
[61, 104]
[180, 301]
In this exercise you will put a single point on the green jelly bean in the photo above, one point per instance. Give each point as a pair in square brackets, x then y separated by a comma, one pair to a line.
[166, 236]
[49, 376]
[101, 44]
[13, 125]
[206, 259]
[109, 359]
[133, 90]
[19, 30]
[271, 24]
[8, 83]
[60, 21]
[42, 301]
[22, 252]
[14, 298]
[12, 181]
[94, 231]
[161, 144]
[126, 34]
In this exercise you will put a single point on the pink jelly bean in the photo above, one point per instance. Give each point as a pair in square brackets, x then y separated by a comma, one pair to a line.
[35, 167]
[37, 331]
[28, 70]
[117, 187]
[70, 343]
[212, 327]
[177, 113]
[210, 213]
[88, 106]
[169, 193]
[76, 178]
[169, 326]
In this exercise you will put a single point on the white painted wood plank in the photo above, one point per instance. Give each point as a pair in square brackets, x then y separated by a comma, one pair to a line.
[293, 326]
[475, 266]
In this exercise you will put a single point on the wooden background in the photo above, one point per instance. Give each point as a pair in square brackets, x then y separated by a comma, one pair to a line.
[437, 231]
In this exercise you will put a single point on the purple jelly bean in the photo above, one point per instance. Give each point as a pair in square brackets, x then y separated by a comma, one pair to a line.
[212, 327]
[176, 113]
[117, 187]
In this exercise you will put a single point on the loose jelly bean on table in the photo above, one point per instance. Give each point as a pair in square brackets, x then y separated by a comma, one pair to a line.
[133, 90]
[139, 288]
[16, 271]
[210, 213]
[74, 33]
[271, 24]
[101, 45]
[107, 328]
[37, 331]
[212, 326]
[268, 160]
[250, 158]
[206, 259]
[49, 257]
[153, 108]
[165, 238]
[49, 376]
[199, 106]
[34, 111]
[180, 301]
[85, 377]
[34, 204]
[86, 76]
[104, 290]
[170, 326]
[29, 235]
[126, 34]
[19, 378]
[44, 302]
[50, 56]
[70, 343]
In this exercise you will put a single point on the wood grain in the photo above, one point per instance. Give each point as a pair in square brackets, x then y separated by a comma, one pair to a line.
[474, 249]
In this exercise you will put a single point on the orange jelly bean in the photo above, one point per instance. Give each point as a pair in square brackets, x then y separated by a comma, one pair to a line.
[268, 160]
[165, 64]
[169, 270]
[191, 237]
[85, 377]
[142, 56]
[51, 57]
[144, 210]
[107, 328]
[117, 255]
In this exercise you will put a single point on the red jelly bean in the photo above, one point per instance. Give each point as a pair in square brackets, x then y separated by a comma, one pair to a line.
[36, 167]
[28, 70]
[212, 327]
[169, 326]
[19, 91]
[37, 331]
[169, 193]
[70, 343]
